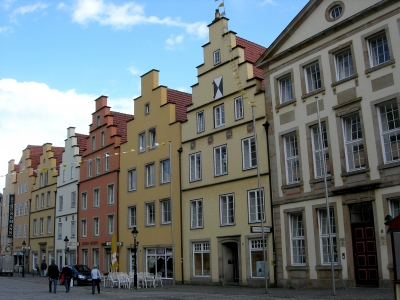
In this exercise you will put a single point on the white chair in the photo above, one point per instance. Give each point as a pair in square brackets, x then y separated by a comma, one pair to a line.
[157, 277]
[149, 277]
[113, 280]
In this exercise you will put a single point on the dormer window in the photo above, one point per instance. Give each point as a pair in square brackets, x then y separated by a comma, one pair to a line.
[217, 57]
[147, 108]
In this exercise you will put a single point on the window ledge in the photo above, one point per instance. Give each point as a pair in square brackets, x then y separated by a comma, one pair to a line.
[385, 64]
[355, 76]
[298, 268]
[389, 165]
[293, 101]
[345, 174]
[318, 180]
[320, 90]
[328, 267]
[293, 185]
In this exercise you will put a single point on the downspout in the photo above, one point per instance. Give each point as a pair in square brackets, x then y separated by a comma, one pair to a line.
[266, 126]
[180, 214]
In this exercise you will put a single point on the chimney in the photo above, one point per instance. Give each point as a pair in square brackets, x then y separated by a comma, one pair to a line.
[217, 14]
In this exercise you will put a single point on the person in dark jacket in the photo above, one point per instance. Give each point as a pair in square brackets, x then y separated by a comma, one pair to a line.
[67, 271]
[53, 273]
[43, 268]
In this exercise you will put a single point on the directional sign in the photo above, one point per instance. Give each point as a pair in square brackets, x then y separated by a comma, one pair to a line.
[258, 229]
[27, 247]
[73, 244]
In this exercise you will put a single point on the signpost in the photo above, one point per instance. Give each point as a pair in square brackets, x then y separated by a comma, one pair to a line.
[258, 229]
[73, 244]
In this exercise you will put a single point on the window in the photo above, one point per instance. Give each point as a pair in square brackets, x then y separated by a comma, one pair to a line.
[16, 210]
[42, 200]
[89, 166]
[285, 89]
[218, 88]
[132, 216]
[257, 257]
[195, 166]
[227, 209]
[217, 57]
[96, 197]
[150, 214]
[64, 174]
[106, 162]
[249, 153]
[20, 209]
[41, 226]
[25, 230]
[26, 207]
[256, 205]
[96, 257]
[220, 161]
[102, 138]
[200, 121]
[110, 193]
[98, 123]
[344, 64]
[110, 224]
[292, 158]
[37, 202]
[354, 144]
[196, 214]
[239, 112]
[73, 229]
[97, 165]
[73, 199]
[132, 180]
[85, 255]
[336, 11]
[297, 244]
[394, 205]
[46, 178]
[142, 142]
[84, 228]
[320, 154]
[84, 201]
[41, 180]
[48, 198]
[166, 211]
[324, 236]
[152, 138]
[313, 77]
[147, 108]
[59, 231]
[60, 202]
[219, 116]
[201, 259]
[49, 225]
[93, 143]
[378, 49]
[160, 260]
[390, 130]
[150, 175]
[96, 226]
[165, 171]
[72, 172]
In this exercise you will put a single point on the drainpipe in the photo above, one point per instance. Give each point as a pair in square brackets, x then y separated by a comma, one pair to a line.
[266, 126]
[180, 215]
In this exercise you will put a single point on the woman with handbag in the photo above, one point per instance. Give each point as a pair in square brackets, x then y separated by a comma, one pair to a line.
[95, 279]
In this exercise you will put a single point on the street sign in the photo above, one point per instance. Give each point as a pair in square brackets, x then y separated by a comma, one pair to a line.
[73, 244]
[258, 229]
[27, 247]
[118, 244]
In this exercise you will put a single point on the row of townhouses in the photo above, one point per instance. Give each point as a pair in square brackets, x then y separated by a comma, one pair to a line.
[196, 174]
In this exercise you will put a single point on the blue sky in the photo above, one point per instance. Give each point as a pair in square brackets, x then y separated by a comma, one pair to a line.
[56, 57]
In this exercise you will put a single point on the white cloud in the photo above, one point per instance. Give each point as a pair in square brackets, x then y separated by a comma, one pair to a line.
[5, 30]
[5, 4]
[127, 15]
[133, 70]
[266, 2]
[173, 41]
[33, 113]
[22, 10]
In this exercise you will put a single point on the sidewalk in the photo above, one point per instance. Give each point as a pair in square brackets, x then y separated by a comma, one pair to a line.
[178, 291]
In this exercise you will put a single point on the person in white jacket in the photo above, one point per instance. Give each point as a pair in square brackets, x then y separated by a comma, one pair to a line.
[95, 279]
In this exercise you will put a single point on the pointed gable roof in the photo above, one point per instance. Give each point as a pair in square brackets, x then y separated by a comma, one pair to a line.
[58, 154]
[182, 101]
[35, 152]
[120, 120]
[81, 141]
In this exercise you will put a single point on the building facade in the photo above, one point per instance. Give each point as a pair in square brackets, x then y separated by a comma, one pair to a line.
[341, 54]
[222, 202]
[150, 181]
[98, 187]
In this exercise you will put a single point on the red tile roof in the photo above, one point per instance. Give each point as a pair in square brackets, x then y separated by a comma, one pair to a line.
[58, 154]
[81, 140]
[16, 168]
[252, 52]
[120, 120]
[35, 152]
[181, 100]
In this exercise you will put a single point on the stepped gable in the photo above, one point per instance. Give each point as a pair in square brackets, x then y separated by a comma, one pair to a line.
[35, 152]
[252, 52]
[181, 101]
[120, 120]
[81, 141]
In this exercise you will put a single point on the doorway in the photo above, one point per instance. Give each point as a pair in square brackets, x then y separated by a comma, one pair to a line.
[364, 244]
[229, 263]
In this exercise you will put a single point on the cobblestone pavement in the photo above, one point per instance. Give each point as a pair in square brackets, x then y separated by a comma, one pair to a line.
[36, 288]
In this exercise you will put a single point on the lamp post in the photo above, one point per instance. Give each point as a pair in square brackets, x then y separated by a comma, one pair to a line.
[135, 232]
[66, 240]
[23, 258]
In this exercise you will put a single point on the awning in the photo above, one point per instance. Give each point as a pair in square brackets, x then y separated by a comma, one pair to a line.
[20, 253]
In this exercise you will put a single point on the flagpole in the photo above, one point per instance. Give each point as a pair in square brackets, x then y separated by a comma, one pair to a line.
[321, 141]
[172, 213]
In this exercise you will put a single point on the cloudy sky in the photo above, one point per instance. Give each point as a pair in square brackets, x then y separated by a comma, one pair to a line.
[57, 57]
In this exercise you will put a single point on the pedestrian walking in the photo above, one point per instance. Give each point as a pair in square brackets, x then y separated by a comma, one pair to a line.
[53, 273]
[67, 272]
[43, 268]
[95, 279]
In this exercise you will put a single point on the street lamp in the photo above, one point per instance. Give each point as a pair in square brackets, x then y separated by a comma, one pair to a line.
[135, 232]
[66, 240]
[23, 258]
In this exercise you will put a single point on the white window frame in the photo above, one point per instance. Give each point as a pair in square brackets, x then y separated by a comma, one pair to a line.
[285, 88]
[239, 108]
[147, 108]
[72, 172]
[219, 116]
[97, 164]
[98, 122]
[312, 75]
[132, 180]
[166, 214]
[142, 142]
[150, 214]
[96, 226]
[48, 198]
[201, 249]
[42, 200]
[378, 49]
[196, 214]
[227, 209]
[84, 227]
[195, 166]
[354, 141]
[200, 121]
[93, 143]
[221, 160]
[389, 127]
[49, 224]
[41, 225]
[26, 207]
[36, 202]
[64, 174]
[96, 197]
[394, 206]
[344, 65]
[84, 201]
[165, 171]
[152, 138]
[110, 194]
[59, 231]
[150, 176]
[292, 159]
[73, 229]
[89, 166]
[110, 224]
[132, 216]
[26, 230]
[324, 236]
[256, 206]
[249, 154]
[106, 162]
[256, 245]
[320, 156]
[217, 57]
[297, 240]
[103, 138]
[60, 202]
[73, 199]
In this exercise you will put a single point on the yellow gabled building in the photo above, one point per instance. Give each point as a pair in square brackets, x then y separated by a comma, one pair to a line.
[145, 181]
